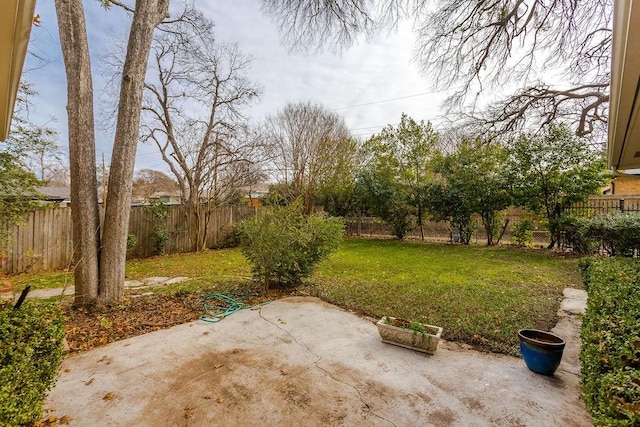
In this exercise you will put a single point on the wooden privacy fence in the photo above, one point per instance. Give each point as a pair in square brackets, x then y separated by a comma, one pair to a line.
[45, 239]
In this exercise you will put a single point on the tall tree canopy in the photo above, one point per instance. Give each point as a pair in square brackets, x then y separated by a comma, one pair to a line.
[549, 58]
[395, 179]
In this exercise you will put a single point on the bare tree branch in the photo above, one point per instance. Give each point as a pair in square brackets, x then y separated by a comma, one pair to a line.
[193, 112]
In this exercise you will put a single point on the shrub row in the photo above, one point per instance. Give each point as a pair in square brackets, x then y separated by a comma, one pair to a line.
[610, 352]
[617, 233]
[30, 356]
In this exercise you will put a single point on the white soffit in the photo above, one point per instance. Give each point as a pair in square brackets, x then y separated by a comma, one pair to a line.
[16, 20]
[624, 126]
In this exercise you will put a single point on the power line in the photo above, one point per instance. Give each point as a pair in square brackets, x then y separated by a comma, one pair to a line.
[382, 101]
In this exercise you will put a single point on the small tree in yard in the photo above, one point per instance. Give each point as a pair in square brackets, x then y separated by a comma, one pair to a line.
[472, 182]
[551, 171]
[399, 170]
[284, 246]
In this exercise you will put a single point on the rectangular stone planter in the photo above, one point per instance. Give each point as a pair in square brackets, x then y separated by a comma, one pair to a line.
[426, 342]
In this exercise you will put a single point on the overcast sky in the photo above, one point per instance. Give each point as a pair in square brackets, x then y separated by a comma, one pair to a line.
[370, 84]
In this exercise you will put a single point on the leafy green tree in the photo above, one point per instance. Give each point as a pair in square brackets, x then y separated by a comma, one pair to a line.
[473, 182]
[17, 189]
[447, 201]
[550, 171]
[378, 193]
[336, 187]
[34, 145]
[399, 171]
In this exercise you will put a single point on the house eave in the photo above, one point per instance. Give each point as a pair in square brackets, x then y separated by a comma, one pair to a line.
[16, 20]
[624, 126]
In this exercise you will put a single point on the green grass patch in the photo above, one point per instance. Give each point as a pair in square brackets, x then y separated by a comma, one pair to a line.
[481, 296]
[213, 270]
[205, 269]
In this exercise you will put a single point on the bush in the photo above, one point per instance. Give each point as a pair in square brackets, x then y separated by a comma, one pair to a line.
[610, 352]
[30, 355]
[283, 245]
[576, 234]
[618, 233]
[132, 241]
[523, 232]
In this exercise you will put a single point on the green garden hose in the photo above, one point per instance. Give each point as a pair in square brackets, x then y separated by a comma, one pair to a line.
[219, 306]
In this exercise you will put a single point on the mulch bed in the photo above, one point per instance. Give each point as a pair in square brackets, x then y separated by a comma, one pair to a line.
[87, 328]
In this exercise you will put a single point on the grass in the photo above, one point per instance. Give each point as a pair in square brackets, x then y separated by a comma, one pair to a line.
[481, 296]
[205, 269]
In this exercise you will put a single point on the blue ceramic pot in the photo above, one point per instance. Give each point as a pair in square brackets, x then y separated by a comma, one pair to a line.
[541, 351]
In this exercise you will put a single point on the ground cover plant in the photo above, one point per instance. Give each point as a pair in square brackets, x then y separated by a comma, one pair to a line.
[610, 352]
[30, 354]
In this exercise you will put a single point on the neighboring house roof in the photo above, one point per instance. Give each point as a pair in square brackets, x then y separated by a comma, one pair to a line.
[624, 123]
[171, 194]
[55, 194]
[16, 20]
[257, 190]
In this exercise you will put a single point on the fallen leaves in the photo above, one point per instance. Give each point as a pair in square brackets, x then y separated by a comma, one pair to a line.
[109, 396]
[86, 329]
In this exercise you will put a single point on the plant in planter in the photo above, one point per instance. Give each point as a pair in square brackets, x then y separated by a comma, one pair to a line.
[409, 334]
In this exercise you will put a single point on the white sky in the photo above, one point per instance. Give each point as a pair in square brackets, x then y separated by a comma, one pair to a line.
[368, 73]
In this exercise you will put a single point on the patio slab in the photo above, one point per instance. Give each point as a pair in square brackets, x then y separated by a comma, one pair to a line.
[300, 361]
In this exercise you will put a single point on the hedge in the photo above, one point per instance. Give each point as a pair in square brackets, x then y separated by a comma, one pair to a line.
[30, 356]
[617, 233]
[610, 352]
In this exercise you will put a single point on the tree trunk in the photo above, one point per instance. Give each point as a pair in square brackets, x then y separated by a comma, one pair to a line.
[420, 223]
[148, 14]
[84, 199]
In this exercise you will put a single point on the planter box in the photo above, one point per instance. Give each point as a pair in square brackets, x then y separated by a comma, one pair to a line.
[426, 342]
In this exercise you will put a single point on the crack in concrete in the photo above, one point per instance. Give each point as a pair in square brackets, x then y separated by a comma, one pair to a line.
[318, 358]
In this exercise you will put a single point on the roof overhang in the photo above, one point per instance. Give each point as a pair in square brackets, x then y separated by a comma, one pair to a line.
[16, 20]
[624, 124]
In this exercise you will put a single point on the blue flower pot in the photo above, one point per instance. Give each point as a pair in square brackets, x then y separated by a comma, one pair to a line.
[541, 351]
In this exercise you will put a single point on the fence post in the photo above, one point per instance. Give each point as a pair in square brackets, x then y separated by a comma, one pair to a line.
[621, 205]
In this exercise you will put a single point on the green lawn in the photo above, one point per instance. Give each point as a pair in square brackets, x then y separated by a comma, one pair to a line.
[481, 296]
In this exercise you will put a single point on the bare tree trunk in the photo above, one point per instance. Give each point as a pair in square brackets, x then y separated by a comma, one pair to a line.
[148, 14]
[84, 209]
